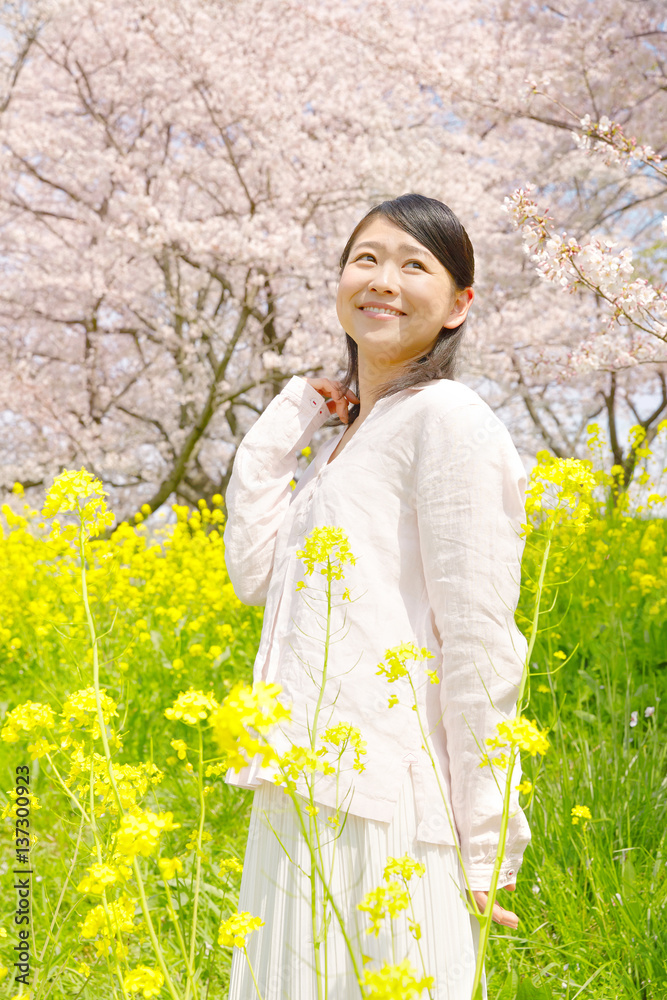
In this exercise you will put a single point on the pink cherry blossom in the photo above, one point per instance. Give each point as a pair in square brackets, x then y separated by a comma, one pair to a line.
[178, 181]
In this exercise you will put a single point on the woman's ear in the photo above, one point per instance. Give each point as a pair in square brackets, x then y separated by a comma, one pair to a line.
[462, 304]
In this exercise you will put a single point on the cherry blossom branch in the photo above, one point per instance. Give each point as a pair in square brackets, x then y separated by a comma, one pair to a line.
[606, 139]
[566, 262]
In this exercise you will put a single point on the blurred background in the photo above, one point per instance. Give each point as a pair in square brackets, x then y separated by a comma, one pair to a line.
[179, 179]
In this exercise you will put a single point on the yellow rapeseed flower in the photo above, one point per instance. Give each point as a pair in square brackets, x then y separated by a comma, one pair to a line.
[230, 865]
[328, 546]
[101, 876]
[519, 732]
[80, 493]
[386, 899]
[80, 711]
[40, 748]
[11, 808]
[344, 735]
[169, 867]
[405, 867]
[26, 717]
[192, 707]
[301, 760]
[235, 930]
[573, 501]
[181, 748]
[140, 832]
[395, 982]
[580, 812]
[131, 780]
[143, 980]
[397, 658]
[121, 918]
[247, 708]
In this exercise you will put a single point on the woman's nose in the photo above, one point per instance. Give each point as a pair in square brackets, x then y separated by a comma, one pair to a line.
[383, 281]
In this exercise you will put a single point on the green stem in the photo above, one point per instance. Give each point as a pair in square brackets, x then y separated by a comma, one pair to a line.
[313, 740]
[441, 790]
[112, 780]
[485, 921]
[536, 616]
[317, 867]
[326, 658]
[328, 894]
[212, 954]
[177, 928]
[313, 914]
[418, 940]
[195, 906]
[252, 972]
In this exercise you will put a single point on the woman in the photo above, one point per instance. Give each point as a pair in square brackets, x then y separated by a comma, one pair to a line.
[427, 485]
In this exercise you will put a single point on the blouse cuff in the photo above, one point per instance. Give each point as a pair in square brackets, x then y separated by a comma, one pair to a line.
[307, 399]
[479, 876]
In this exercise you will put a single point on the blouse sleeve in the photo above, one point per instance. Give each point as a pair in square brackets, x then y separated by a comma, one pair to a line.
[470, 496]
[259, 492]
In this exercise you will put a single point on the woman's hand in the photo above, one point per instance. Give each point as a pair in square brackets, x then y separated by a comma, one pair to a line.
[500, 916]
[337, 400]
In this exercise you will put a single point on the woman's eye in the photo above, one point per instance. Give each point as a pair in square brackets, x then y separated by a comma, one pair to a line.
[361, 257]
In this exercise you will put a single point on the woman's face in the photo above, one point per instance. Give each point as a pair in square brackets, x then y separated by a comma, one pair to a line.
[388, 268]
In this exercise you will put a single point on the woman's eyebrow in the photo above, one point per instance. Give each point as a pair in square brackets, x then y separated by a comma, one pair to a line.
[405, 247]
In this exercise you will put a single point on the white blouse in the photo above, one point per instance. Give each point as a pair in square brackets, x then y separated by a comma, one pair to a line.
[430, 492]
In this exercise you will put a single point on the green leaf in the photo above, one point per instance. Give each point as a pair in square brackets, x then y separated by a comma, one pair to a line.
[585, 716]
[629, 874]
[592, 683]
[510, 986]
[528, 991]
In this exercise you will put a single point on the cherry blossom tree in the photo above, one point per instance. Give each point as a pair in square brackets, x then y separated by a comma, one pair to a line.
[179, 180]
[557, 95]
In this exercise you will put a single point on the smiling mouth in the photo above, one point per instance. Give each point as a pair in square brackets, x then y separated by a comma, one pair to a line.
[377, 311]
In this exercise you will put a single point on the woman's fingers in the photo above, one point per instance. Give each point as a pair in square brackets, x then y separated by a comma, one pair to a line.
[338, 403]
[500, 916]
[337, 400]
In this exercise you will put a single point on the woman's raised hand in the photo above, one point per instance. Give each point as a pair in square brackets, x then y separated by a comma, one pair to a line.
[337, 400]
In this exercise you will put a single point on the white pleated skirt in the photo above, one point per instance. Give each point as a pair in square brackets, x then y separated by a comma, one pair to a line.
[277, 888]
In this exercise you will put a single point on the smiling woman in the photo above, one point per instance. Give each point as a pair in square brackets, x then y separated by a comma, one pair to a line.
[430, 498]
[403, 305]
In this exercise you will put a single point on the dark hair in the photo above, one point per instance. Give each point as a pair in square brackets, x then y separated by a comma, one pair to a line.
[436, 227]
